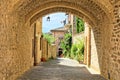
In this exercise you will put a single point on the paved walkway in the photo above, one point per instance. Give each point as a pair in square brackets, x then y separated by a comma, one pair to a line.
[60, 69]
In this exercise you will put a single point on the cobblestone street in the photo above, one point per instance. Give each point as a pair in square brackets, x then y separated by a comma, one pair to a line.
[61, 69]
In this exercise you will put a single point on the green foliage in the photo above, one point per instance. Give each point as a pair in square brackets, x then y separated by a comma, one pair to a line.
[66, 44]
[49, 38]
[80, 25]
[77, 51]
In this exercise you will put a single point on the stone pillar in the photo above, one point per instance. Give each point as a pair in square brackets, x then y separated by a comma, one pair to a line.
[89, 46]
[37, 42]
[49, 51]
[44, 50]
[87, 50]
[53, 51]
[37, 51]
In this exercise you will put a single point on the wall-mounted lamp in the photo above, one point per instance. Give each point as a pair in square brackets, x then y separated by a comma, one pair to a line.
[48, 18]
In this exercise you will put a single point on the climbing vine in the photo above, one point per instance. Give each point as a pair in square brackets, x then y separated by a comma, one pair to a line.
[66, 44]
[79, 25]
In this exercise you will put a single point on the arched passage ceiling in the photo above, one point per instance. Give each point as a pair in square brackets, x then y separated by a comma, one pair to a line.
[62, 9]
[91, 10]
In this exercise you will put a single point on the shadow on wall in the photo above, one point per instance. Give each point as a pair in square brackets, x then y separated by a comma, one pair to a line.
[100, 50]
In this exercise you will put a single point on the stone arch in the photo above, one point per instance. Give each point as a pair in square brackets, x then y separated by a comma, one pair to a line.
[62, 9]
[92, 10]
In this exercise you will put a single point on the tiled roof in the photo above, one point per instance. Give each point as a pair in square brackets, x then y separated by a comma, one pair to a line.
[65, 28]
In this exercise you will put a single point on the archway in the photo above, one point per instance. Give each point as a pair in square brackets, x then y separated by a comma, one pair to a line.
[93, 23]
[23, 13]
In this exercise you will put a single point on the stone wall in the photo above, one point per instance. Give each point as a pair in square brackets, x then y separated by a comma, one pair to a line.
[77, 37]
[52, 52]
[16, 42]
[15, 45]
[98, 54]
[115, 47]
[48, 50]
[94, 50]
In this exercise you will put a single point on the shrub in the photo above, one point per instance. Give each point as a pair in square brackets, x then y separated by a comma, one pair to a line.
[49, 38]
[77, 51]
[66, 44]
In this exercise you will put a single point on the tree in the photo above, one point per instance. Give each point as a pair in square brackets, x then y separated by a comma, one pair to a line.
[49, 38]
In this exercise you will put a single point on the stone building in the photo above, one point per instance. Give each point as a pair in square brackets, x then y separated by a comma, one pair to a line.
[59, 34]
[19, 19]
[72, 22]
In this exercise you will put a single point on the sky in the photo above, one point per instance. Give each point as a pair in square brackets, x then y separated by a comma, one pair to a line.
[55, 21]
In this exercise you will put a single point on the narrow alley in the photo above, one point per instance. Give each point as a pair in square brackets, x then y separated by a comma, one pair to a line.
[61, 69]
